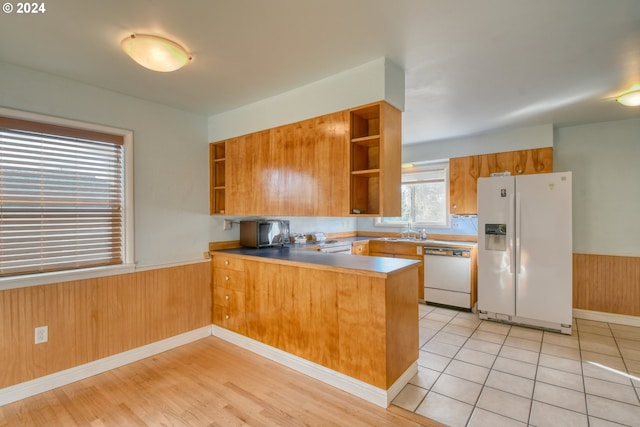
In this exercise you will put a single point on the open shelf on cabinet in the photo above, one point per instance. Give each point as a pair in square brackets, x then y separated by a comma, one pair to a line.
[365, 192]
[365, 153]
[365, 160]
[217, 178]
[365, 122]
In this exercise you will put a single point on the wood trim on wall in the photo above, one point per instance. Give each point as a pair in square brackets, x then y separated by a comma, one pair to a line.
[95, 318]
[229, 244]
[606, 283]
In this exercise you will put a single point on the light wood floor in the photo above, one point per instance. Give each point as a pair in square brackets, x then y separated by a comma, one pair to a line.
[205, 383]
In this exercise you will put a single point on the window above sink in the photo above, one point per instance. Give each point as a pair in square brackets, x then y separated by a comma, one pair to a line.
[425, 191]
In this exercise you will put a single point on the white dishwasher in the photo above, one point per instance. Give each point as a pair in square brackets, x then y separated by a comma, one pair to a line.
[447, 276]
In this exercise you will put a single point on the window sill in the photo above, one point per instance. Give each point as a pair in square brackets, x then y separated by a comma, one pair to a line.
[29, 280]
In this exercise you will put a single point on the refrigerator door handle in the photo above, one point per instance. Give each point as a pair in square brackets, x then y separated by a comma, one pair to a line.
[512, 260]
[518, 233]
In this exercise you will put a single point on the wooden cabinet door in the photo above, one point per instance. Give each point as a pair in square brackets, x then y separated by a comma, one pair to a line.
[463, 174]
[293, 309]
[229, 309]
[299, 169]
[360, 248]
[495, 163]
[465, 171]
[516, 162]
[246, 187]
[311, 160]
[533, 161]
[400, 250]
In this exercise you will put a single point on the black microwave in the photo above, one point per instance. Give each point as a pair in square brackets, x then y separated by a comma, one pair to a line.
[261, 233]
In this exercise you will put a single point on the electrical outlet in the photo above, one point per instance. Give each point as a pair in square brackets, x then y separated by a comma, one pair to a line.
[418, 250]
[455, 225]
[227, 224]
[42, 334]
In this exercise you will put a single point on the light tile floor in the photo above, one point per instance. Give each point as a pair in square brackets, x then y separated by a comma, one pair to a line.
[473, 372]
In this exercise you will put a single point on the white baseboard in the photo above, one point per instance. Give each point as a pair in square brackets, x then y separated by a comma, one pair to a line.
[601, 316]
[49, 382]
[401, 382]
[336, 379]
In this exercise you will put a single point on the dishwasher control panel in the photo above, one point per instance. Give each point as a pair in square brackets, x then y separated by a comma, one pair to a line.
[443, 251]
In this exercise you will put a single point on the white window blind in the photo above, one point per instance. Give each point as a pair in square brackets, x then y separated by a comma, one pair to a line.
[61, 198]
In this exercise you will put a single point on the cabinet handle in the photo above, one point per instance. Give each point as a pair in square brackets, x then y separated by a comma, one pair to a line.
[455, 206]
[226, 262]
[226, 277]
[226, 297]
[226, 317]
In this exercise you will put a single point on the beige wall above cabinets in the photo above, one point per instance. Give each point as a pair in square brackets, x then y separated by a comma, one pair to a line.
[465, 171]
[325, 166]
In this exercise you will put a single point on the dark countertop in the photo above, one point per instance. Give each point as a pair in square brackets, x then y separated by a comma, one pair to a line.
[352, 262]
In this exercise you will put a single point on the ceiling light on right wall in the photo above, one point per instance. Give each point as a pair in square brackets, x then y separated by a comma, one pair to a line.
[630, 98]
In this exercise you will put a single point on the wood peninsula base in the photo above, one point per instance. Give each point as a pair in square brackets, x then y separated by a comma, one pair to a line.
[349, 321]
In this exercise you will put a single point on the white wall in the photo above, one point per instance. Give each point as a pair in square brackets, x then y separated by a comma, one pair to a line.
[494, 142]
[605, 161]
[374, 81]
[171, 186]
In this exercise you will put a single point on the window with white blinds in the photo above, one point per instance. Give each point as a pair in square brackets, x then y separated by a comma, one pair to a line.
[61, 198]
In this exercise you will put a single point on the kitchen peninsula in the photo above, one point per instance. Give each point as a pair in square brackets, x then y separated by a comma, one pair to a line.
[349, 321]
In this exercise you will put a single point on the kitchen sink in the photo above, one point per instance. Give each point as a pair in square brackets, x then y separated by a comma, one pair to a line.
[328, 242]
[400, 239]
[321, 242]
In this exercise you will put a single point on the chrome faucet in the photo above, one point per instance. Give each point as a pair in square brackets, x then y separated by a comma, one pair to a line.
[410, 233]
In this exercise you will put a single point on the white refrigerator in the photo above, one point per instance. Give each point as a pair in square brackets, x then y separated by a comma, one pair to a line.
[525, 250]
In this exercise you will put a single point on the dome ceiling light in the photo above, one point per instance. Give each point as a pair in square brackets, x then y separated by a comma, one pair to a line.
[630, 98]
[155, 53]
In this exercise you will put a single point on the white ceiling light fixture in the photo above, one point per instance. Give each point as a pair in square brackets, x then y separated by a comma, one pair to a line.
[155, 53]
[630, 98]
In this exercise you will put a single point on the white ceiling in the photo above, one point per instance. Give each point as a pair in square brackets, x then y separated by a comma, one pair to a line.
[471, 65]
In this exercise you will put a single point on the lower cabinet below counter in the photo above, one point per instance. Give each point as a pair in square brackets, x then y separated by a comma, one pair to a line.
[406, 250]
[361, 324]
[229, 294]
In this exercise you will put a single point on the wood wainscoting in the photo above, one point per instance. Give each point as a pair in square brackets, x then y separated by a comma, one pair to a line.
[606, 283]
[95, 318]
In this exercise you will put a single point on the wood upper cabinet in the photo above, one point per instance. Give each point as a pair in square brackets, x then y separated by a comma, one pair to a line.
[247, 158]
[333, 165]
[310, 163]
[521, 162]
[465, 171]
[463, 177]
[299, 169]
